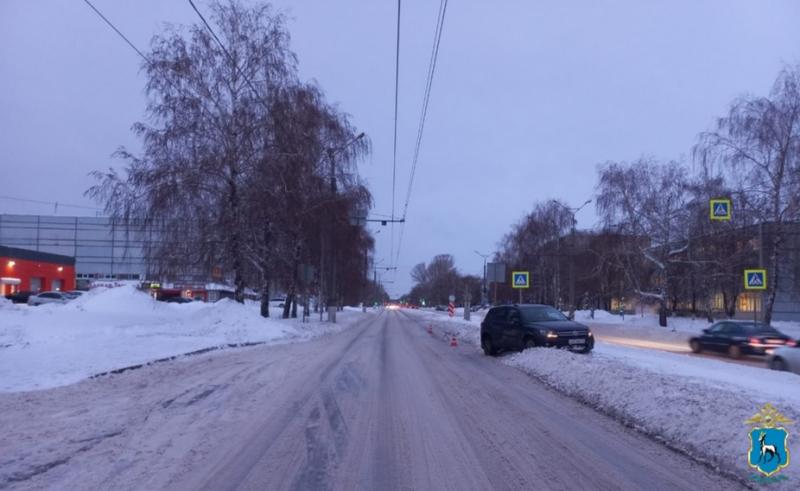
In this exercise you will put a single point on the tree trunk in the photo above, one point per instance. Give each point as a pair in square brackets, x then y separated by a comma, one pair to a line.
[233, 202]
[264, 296]
[772, 283]
[265, 268]
[287, 304]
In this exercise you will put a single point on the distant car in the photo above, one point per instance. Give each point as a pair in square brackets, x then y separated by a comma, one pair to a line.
[177, 300]
[738, 338]
[48, 297]
[73, 294]
[441, 308]
[786, 358]
[518, 327]
[19, 297]
[277, 302]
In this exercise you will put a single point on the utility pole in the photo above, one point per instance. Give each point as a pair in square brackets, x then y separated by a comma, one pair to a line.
[332, 302]
[571, 254]
[375, 273]
[332, 294]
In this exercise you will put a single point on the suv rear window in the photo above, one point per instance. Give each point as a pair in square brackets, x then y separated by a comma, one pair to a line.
[541, 314]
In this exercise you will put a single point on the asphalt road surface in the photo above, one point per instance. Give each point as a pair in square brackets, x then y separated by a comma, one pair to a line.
[380, 406]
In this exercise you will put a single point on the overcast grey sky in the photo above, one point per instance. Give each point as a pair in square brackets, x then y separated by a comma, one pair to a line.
[528, 96]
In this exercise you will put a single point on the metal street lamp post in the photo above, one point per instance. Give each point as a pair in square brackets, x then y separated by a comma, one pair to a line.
[484, 292]
[574, 211]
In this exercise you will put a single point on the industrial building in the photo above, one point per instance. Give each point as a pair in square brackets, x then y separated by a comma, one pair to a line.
[101, 249]
[26, 270]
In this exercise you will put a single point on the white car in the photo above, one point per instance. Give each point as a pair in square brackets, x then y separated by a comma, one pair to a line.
[277, 302]
[48, 297]
[785, 358]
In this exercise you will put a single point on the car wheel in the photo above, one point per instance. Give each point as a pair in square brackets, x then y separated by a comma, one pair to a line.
[528, 343]
[735, 351]
[778, 364]
[488, 346]
[695, 346]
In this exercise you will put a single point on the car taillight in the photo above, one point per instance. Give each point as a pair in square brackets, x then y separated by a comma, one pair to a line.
[754, 341]
[791, 342]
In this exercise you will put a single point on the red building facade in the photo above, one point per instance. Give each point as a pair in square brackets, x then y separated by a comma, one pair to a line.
[23, 270]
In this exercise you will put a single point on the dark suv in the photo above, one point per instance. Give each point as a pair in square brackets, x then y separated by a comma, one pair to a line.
[516, 327]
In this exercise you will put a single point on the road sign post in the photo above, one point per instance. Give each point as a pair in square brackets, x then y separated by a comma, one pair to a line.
[496, 273]
[755, 279]
[719, 209]
[451, 307]
[520, 280]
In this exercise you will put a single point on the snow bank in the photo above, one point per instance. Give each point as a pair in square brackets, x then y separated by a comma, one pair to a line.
[107, 329]
[123, 299]
[695, 405]
[690, 404]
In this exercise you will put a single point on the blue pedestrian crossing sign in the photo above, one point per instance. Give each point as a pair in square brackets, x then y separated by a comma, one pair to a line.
[755, 279]
[720, 209]
[520, 279]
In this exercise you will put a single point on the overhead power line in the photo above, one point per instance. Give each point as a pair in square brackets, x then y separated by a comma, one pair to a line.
[112, 26]
[54, 203]
[228, 55]
[437, 38]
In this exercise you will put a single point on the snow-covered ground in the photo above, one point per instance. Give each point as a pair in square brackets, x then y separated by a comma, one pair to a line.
[696, 405]
[107, 329]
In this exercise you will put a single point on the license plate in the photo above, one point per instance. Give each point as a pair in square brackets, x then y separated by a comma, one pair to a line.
[577, 341]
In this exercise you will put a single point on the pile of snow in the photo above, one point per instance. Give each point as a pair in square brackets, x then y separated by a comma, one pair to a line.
[693, 404]
[112, 328]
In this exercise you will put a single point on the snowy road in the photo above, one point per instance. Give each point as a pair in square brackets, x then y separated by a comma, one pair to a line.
[381, 405]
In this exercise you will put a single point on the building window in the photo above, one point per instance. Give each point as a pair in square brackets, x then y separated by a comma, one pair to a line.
[718, 302]
[749, 302]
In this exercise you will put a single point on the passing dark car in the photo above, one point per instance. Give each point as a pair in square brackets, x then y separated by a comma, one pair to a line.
[517, 327]
[19, 297]
[176, 300]
[738, 338]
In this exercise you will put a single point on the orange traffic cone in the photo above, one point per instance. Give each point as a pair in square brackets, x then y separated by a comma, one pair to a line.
[454, 342]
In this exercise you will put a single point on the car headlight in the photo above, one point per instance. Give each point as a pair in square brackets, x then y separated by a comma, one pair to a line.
[589, 333]
[552, 335]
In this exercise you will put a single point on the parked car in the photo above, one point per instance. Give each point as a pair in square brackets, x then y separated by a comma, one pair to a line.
[786, 357]
[517, 327]
[441, 308]
[738, 338]
[277, 302]
[48, 297]
[19, 297]
[176, 300]
[73, 294]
